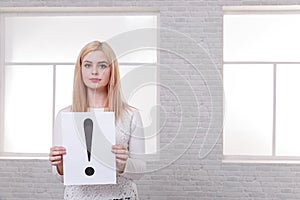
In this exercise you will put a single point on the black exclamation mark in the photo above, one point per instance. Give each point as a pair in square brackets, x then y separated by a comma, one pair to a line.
[88, 130]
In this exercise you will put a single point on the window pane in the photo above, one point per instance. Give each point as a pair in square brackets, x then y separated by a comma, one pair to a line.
[262, 37]
[287, 110]
[248, 114]
[139, 86]
[28, 109]
[60, 38]
[63, 86]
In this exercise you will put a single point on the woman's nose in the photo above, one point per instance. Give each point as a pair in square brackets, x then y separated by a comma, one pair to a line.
[94, 70]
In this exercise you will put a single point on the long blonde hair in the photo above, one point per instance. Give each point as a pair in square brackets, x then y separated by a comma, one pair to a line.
[114, 102]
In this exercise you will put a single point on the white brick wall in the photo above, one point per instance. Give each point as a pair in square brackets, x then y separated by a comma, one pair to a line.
[188, 177]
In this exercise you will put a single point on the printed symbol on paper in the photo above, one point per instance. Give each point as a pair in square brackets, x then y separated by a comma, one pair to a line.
[88, 130]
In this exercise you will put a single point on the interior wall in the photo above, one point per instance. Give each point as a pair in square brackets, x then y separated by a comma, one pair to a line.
[191, 97]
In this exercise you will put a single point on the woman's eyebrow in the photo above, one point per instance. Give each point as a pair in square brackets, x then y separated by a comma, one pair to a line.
[97, 62]
[102, 62]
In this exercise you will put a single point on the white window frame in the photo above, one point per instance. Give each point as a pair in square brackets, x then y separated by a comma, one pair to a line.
[52, 11]
[240, 10]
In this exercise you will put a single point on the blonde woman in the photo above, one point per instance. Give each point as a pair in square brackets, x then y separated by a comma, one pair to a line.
[97, 87]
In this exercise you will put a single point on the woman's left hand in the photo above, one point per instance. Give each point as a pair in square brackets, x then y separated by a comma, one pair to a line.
[121, 156]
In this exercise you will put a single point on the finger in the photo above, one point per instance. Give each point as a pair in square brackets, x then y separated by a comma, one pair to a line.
[56, 162]
[57, 152]
[119, 161]
[121, 157]
[116, 147]
[57, 148]
[55, 158]
[118, 151]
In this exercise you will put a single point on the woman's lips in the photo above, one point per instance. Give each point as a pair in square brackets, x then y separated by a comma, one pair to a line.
[95, 80]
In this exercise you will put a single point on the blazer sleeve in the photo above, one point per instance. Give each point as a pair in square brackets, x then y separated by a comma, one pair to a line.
[135, 165]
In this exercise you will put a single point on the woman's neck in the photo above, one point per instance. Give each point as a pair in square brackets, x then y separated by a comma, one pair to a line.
[97, 98]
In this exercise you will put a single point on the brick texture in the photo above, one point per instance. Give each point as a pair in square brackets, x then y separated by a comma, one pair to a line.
[190, 165]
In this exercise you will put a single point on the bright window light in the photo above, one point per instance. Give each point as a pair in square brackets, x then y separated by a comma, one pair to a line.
[64, 77]
[262, 37]
[248, 103]
[60, 38]
[28, 109]
[287, 110]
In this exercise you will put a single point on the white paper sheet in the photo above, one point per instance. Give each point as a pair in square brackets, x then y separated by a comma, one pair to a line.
[102, 160]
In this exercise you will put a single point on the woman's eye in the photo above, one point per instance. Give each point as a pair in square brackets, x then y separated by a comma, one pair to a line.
[87, 65]
[102, 66]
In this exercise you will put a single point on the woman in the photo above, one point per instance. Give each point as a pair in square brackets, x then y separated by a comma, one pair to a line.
[96, 87]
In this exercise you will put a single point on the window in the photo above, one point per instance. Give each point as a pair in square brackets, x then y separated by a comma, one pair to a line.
[38, 50]
[261, 70]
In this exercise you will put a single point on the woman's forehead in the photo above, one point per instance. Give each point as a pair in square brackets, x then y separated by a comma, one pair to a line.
[95, 56]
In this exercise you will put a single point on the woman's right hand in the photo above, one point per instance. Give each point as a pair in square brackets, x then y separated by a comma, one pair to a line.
[56, 157]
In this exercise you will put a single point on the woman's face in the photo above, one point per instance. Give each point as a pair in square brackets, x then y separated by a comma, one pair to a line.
[95, 70]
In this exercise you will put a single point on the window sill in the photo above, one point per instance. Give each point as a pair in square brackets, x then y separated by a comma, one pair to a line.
[44, 156]
[261, 159]
[23, 156]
